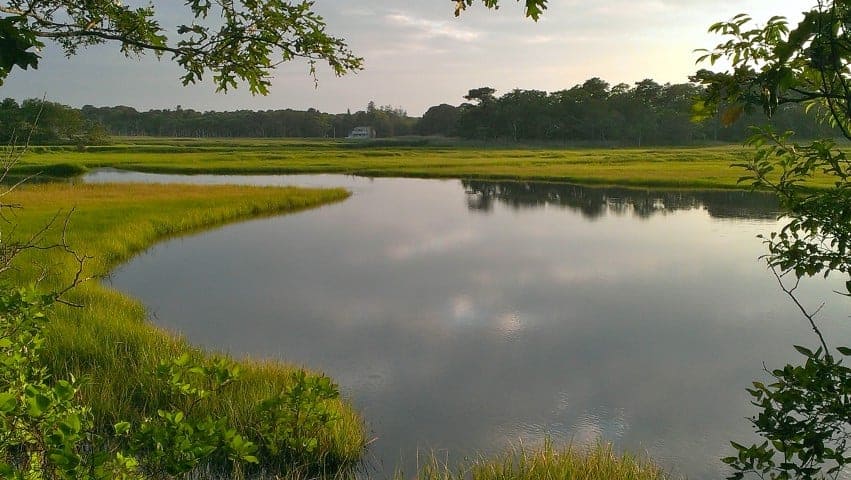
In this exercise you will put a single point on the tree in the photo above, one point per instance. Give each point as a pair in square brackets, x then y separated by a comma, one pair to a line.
[234, 41]
[805, 415]
[438, 120]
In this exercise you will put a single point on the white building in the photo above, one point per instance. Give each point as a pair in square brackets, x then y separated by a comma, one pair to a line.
[362, 132]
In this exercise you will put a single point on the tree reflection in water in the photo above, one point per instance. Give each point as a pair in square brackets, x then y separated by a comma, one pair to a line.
[594, 202]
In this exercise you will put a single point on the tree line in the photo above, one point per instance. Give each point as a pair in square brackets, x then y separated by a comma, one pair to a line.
[594, 113]
[387, 121]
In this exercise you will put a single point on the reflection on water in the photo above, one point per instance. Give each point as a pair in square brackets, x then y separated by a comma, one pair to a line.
[461, 332]
[593, 202]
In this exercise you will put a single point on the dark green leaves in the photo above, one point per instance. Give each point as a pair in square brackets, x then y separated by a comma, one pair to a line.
[242, 43]
[803, 416]
[16, 42]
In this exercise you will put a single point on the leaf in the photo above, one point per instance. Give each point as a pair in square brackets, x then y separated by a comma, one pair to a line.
[804, 351]
[121, 428]
[8, 402]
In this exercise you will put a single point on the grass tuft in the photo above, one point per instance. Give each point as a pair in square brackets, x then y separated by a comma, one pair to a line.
[599, 462]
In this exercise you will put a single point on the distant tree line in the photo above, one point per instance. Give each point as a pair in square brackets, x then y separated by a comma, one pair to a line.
[646, 113]
[593, 112]
[387, 121]
[42, 122]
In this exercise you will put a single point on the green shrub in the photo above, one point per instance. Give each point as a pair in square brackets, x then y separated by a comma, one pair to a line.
[46, 432]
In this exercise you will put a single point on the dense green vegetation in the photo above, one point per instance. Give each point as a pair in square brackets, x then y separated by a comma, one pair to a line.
[108, 342]
[42, 122]
[592, 113]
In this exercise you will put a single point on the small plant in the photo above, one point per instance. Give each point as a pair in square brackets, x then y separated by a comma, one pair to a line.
[178, 441]
[293, 422]
[45, 432]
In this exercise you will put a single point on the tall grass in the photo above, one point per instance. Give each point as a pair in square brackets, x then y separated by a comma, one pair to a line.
[704, 167]
[109, 342]
[599, 462]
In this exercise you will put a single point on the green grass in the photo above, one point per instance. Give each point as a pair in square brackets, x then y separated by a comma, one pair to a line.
[599, 462]
[109, 340]
[704, 167]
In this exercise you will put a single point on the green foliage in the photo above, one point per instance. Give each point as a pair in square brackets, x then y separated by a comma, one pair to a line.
[180, 439]
[47, 432]
[774, 64]
[817, 238]
[15, 45]
[234, 42]
[804, 414]
[43, 122]
[293, 422]
[533, 8]
[803, 417]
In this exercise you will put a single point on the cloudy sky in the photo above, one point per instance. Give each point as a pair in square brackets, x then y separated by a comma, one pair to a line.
[418, 54]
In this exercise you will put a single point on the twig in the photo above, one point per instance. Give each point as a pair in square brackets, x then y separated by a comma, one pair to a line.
[810, 316]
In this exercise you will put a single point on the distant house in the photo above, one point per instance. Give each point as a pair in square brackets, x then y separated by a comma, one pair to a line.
[362, 132]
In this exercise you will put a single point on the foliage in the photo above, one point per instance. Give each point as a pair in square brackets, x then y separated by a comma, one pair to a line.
[817, 238]
[533, 8]
[48, 432]
[45, 122]
[774, 64]
[293, 421]
[233, 41]
[386, 120]
[645, 113]
[45, 431]
[803, 414]
[180, 439]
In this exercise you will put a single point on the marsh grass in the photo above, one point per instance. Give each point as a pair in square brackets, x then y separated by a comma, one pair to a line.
[109, 343]
[548, 462]
[698, 167]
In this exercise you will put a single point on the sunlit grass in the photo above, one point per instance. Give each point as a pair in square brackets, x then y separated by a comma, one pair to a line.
[705, 167]
[599, 462]
[109, 342]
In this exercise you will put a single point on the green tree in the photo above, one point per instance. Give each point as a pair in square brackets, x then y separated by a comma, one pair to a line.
[804, 413]
[234, 41]
[439, 120]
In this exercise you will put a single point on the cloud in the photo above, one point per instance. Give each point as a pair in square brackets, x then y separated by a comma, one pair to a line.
[432, 245]
[432, 28]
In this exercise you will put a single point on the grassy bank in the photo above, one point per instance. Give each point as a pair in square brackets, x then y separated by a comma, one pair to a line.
[109, 341]
[705, 167]
[599, 462]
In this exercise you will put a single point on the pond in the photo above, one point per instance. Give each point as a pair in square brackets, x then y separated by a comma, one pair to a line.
[465, 317]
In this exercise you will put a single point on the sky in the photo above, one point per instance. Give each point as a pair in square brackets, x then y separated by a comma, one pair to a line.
[418, 54]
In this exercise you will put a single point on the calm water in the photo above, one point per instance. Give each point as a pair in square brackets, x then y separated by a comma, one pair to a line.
[465, 317]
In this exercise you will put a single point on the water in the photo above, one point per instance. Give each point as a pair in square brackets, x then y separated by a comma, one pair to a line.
[465, 317]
